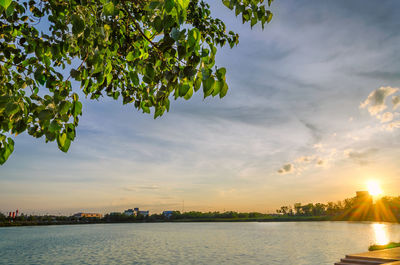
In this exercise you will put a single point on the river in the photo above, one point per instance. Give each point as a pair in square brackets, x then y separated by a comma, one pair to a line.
[192, 243]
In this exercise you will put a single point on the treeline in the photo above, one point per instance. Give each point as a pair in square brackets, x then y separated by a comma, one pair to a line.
[361, 208]
[192, 215]
[355, 208]
[174, 216]
[24, 219]
[318, 209]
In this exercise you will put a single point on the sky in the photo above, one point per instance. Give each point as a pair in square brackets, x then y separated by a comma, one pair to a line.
[312, 114]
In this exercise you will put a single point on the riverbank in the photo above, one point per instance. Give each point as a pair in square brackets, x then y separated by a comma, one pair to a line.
[100, 221]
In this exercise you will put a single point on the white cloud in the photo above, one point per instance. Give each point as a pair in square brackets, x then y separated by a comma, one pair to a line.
[396, 102]
[386, 117]
[376, 99]
[318, 146]
[304, 159]
[391, 126]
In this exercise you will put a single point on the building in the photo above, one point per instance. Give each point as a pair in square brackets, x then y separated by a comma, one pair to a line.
[88, 215]
[129, 212]
[115, 214]
[136, 212]
[168, 214]
[144, 213]
[364, 197]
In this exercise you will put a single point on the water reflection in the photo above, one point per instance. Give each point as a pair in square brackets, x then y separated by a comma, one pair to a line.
[381, 234]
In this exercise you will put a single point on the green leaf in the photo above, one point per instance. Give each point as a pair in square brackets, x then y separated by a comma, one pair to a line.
[108, 9]
[183, 89]
[227, 3]
[54, 126]
[269, 16]
[183, 3]
[208, 86]
[221, 72]
[134, 77]
[10, 10]
[39, 76]
[5, 3]
[75, 74]
[78, 25]
[6, 150]
[63, 142]
[12, 108]
[253, 21]
[130, 57]
[194, 36]
[109, 78]
[223, 90]
[270, 2]
[197, 83]
[64, 107]
[77, 110]
[169, 5]
[45, 115]
[189, 93]
[175, 34]
[149, 71]
[158, 24]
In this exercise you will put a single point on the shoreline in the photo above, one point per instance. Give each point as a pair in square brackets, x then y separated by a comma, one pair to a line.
[261, 220]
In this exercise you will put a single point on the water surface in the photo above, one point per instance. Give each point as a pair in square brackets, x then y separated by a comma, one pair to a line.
[191, 243]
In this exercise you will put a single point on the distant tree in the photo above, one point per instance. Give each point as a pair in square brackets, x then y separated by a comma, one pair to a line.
[297, 208]
[2, 217]
[307, 209]
[141, 51]
[283, 210]
[319, 209]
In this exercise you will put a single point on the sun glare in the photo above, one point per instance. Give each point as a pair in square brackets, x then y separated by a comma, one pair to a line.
[374, 188]
[381, 234]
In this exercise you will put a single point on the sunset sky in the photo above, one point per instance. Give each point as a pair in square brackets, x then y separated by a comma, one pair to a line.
[312, 114]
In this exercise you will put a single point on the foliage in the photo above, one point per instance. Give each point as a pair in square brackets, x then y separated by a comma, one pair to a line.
[387, 246]
[2, 217]
[385, 209]
[143, 52]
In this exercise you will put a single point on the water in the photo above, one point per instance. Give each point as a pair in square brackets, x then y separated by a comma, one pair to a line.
[192, 243]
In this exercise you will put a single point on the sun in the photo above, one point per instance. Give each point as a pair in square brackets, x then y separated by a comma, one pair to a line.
[374, 188]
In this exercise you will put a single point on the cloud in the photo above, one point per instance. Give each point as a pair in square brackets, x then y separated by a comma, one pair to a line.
[315, 131]
[318, 146]
[396, 102]
[391, 126]
[141, 188]
[305, 159]
[386, 117]
[288, 168]
[376, 99]
[361, 157]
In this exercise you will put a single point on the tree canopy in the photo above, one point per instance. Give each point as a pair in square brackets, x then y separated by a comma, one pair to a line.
[143, 52]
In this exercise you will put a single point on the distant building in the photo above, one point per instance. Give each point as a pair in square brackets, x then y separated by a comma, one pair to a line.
[364, 197]
[129, 212]
[136, 212]
[144, 213]
[167, 214]
[88, 215]
[115, 213]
